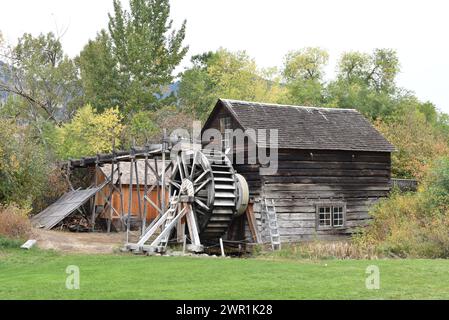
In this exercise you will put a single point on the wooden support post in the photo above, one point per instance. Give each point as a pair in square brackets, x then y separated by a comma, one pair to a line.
[222, 248]
[184, 244]
[111, 192]
[95, 197]
[181, 230]
[122, 204]
[158, 185]
[253, 224]
[145, 192]
[164, 149]
[130, 197]
[193, 227]
[139, 200]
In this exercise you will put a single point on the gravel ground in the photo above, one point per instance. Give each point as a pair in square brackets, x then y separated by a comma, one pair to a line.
[95, 243]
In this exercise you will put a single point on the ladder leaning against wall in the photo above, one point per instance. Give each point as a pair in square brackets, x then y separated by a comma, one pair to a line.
[270, 211]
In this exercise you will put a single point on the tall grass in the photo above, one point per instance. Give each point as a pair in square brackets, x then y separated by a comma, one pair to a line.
[14, 222]
[315, 250]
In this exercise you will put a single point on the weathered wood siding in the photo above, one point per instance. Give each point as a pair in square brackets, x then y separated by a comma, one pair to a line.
[306, 178]
[151, 212]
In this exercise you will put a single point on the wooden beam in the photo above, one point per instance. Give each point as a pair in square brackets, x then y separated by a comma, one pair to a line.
[252, 224]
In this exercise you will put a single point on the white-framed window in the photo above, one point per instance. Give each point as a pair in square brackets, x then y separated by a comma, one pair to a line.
[225, 126]
[330, 215]
[324, 217]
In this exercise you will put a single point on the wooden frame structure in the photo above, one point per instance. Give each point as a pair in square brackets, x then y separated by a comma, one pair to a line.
[155, 154]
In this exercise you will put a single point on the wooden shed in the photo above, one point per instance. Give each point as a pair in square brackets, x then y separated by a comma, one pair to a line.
[138, 208]
[332, 165]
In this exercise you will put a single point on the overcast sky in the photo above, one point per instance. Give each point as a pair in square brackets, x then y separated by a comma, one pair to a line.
[267, 30]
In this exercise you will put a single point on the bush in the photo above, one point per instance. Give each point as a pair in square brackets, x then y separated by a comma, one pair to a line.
[414, 224]
[6, 243]
[14, 222]
[23, 164]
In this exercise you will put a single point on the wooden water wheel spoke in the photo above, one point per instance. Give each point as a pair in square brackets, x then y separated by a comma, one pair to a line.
[193, 165]
[201, 176]
[175, 184]
[208, 189]
[180, 170]
[202, 185]
[201, 203]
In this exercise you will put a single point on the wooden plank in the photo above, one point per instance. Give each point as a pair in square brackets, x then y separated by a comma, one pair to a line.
[252, 224]
[326, 180]
[324, 187]
[327, 194]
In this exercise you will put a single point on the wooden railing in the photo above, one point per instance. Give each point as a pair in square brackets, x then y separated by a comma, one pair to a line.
[404, 184]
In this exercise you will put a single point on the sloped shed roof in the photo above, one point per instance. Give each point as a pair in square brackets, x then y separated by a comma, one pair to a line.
[309, 127]
[126, 176]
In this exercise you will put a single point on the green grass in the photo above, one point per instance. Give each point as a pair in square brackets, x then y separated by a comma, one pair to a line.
[37, 274]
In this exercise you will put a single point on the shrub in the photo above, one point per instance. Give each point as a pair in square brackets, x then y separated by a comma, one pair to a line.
[6, 243]
[14, 222]
[413, 224]
[23, 164]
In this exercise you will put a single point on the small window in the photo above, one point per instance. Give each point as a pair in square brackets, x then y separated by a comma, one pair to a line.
[225, 123]
[325, 216]
[331, 216]
[337, 217]
[225, 126]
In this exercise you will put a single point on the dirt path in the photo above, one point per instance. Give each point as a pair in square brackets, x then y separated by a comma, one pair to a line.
[99, 243]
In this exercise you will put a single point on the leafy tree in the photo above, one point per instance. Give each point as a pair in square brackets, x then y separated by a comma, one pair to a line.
[99, 76]
[367, 83]
[305, 64]
[418, 143]
[88, 133]
[23, 164]
[225, 74]
[377, 71]
[45, 79]
[303, 75]
[141, 128]
[430, 112]
[141, 52]
[147, 127]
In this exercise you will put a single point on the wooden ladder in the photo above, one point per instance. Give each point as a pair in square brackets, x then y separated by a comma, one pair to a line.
[270, 210]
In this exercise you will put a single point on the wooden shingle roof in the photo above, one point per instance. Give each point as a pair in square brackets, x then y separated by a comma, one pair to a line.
[309, 127]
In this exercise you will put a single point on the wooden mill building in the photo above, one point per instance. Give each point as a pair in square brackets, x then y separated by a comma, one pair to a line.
[332, 166]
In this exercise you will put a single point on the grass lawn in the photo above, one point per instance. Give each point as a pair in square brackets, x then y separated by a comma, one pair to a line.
[40, 274]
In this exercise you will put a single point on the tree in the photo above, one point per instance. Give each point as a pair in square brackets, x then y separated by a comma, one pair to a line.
[147, 126]
[88, 133]
[305, 64]
[418, 143]
[146, 50]
[23, 164]
[367, 83]
[303, 75]
[225, 74]
[45, 79]
[99, 75]
[378, 70]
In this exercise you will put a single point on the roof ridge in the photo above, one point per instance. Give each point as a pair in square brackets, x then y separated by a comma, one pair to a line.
[230, 101]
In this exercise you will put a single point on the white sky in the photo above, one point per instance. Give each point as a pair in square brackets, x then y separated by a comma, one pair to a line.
[418, 30]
